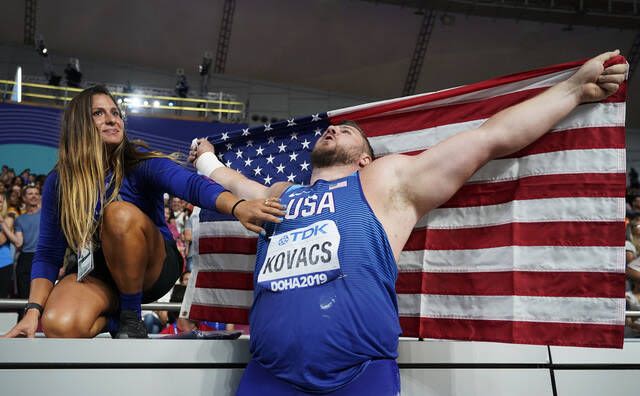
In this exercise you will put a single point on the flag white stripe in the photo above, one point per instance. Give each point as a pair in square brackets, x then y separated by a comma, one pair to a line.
[545, 80]
[584, 116]
[527, 211]
[560, 162]
[223, 297]
[516, 258]
[515, 308]
[224, 229]
[227, 262]
[499, 259]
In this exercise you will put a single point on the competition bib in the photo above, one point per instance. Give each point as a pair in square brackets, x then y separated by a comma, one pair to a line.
[303, 257]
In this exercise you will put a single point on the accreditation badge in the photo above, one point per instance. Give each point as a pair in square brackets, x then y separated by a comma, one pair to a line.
[85, 261]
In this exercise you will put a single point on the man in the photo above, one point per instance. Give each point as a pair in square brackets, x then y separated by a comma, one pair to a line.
[25, 237]
[324, 316]
[178, 210]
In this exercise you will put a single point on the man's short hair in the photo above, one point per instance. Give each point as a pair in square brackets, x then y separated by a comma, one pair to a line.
[28, 186]
[368, 148]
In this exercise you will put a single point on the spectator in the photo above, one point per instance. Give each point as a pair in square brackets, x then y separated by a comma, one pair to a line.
[179, 213]
[633, 232]
[17, 181]
[187, 236]
[184, 325]
[632, 292]
[40, 182]
[156, 321]
[24, 176]
[25, 237]
[7, 176]
[635, 204]
[14, 202]
[6, 251]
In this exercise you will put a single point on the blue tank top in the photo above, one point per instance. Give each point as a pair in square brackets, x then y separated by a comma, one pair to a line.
[324, 288]
[6, 258]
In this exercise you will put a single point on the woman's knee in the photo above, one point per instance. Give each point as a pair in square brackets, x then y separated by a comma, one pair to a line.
[57, 323]
[119, 218]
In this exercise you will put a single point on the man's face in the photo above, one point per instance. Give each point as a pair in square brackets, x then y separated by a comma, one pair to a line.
[31, 196]
[176, 204]
[338, 145]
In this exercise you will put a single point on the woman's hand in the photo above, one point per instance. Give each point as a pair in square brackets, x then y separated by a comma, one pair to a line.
[254, 212]
[26, 327]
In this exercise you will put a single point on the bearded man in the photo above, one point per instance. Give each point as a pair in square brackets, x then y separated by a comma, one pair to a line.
[325, 317]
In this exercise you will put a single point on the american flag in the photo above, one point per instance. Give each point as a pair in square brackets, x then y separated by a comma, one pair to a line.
[530, 250]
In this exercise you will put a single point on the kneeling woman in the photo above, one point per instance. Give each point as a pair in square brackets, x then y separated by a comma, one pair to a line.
[105, 196]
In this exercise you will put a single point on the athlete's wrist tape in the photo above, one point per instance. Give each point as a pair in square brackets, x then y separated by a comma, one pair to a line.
[207, 163]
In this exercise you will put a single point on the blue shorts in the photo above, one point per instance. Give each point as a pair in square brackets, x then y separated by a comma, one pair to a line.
[380, 378]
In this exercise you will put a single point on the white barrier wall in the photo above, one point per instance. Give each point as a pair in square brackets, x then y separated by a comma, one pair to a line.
[103, 366]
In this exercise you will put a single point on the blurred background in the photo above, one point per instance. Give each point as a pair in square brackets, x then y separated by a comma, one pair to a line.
[218, 62]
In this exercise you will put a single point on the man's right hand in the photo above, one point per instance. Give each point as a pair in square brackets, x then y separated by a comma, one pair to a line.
[26, 327]
[201, 146]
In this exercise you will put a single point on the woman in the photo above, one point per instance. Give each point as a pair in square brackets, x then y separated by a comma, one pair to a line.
[105, 195]
[6, 253]
[14, 202]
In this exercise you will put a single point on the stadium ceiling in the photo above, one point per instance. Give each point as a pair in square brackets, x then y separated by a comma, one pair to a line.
[622, 14]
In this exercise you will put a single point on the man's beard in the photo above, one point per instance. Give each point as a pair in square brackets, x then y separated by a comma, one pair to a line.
[325, 158]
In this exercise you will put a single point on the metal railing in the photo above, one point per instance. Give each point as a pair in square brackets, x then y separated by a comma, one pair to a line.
[16, 305]
[135, 102]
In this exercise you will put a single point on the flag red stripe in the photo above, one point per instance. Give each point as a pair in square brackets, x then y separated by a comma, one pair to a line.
[514, 283]
[591, 185]
[443, 115]
[576, 139]
[231, 245]
[225, 280]
[219, 314]
[517, 283]
[428, 98]
[550, 233]
[540, 333]
[360, 115]
[588, 139]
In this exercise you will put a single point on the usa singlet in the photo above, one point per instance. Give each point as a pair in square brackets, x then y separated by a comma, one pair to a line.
[324, 288]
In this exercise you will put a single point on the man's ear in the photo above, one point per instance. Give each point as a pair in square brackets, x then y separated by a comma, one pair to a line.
[364, 160]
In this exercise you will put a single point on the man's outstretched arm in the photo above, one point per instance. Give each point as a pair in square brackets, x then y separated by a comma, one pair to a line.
[233, 181]
[431, 178]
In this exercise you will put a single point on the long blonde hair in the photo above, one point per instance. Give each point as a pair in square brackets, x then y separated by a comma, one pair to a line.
[83, 164]
[3, 206]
